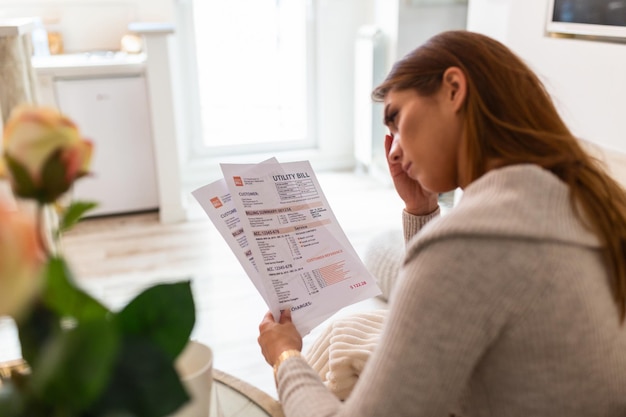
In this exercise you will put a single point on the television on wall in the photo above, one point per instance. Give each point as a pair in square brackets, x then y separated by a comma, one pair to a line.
[588, 18]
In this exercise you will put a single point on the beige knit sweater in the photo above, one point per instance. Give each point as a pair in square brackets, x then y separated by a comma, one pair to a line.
[502, 308]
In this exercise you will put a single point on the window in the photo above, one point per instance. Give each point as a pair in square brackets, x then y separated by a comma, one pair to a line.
[254, 75]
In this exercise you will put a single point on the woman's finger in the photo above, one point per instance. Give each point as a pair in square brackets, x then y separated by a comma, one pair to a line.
[285, 316]
[388, 143]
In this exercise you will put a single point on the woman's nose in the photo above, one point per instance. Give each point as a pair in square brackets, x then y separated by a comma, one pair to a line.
[395, 152]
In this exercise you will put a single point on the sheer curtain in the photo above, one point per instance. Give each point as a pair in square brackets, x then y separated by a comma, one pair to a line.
[17, 78]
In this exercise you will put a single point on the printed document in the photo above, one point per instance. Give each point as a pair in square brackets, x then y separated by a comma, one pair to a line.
[277, 221]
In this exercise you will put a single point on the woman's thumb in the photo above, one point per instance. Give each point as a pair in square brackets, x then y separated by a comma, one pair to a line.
[285, 316]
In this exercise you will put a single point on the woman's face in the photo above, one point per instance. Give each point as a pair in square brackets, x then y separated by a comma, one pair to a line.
[428, 133]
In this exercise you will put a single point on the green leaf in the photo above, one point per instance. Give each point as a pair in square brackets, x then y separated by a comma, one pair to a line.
[23, 184]
[36, 329]
[144, 383]
[64, 297]
[73, 214]
[76, 367]
[164, 314]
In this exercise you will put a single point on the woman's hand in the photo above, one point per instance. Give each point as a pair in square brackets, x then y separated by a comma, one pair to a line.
[417, 200]
[275, 338]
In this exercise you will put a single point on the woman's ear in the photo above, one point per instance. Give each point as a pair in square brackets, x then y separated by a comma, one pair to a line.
[455, 87]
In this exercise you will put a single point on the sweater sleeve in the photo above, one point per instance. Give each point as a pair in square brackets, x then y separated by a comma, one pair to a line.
[413, 224]
[447, 311]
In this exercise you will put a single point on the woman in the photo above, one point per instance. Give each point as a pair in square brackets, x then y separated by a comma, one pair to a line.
[513, 304]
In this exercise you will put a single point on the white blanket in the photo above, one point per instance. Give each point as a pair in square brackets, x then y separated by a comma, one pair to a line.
[341, 351]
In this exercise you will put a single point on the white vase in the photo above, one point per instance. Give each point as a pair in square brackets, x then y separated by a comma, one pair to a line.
[195, 367]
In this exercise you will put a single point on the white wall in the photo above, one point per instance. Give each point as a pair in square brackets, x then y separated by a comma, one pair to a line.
[418, 22]
[90, 24]
[338, 22]
[386, 18]
[587, 78]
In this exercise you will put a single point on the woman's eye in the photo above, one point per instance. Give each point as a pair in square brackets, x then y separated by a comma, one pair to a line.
[390, 119]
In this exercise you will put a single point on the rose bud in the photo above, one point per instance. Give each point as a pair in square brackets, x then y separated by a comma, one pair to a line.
[44, 153]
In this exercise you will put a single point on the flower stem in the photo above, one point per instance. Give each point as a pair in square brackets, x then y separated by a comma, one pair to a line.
[40, 229]
[47, 235]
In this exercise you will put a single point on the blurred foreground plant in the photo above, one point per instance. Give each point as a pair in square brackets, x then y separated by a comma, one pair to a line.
[82, 358]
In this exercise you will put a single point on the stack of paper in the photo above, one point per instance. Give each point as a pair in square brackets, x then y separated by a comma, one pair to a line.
[278, 223]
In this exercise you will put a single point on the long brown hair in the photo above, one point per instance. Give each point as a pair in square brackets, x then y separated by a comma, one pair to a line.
[511, 117]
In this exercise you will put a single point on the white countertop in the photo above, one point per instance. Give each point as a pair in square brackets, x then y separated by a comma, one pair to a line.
[90, 63]
[151, 28]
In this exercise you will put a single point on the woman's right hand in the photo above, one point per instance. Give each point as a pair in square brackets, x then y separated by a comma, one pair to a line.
[418, 201]
[277, 337]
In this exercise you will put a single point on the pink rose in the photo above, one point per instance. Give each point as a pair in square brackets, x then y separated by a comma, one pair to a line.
[21, 262]
[44, 153]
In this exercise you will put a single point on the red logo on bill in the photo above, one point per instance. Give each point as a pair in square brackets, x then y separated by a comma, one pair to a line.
[238, 181]
[216, 202]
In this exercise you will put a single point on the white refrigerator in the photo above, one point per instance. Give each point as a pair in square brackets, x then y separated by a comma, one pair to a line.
[113, 112]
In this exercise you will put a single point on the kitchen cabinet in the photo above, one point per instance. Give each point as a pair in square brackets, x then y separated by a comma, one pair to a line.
[113, 111]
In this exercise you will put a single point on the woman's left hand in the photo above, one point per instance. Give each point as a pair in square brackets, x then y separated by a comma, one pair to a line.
[275, 338]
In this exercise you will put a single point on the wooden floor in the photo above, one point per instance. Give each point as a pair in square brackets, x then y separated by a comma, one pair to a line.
[115, 257]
